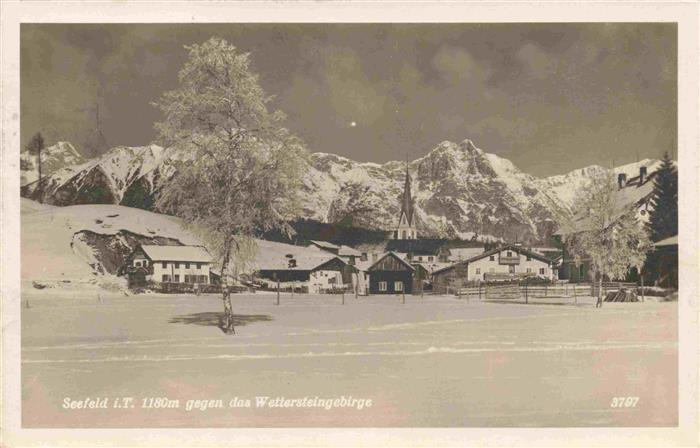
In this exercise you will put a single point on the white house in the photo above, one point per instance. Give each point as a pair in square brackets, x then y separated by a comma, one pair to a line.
[173, 264]
[510, 260]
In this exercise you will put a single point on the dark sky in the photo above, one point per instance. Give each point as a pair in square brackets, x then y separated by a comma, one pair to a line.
[549, 97]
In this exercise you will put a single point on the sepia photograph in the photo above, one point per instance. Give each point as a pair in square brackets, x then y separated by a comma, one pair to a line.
[350, 225]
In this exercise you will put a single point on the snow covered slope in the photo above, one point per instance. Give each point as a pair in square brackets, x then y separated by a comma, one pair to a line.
[53, 158]
[88, 244]
[459, 190]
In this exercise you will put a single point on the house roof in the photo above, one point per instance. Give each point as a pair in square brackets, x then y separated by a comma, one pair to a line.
[416, 247]
[670, 241]
[624, 198]
[348, 251]
[304, 262]
[325, 244]
[395, 255]
[197, 254]
[513, 247]
[465, 252]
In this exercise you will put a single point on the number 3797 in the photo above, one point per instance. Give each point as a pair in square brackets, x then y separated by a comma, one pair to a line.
[624, 402]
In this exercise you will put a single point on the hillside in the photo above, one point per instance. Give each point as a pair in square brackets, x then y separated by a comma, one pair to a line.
[88, 244]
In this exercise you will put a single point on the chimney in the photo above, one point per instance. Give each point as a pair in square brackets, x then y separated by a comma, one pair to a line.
[621, 180]
[642, 174]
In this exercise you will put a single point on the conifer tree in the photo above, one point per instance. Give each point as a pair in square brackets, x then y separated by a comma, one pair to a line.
[663, 219]
[36, 147]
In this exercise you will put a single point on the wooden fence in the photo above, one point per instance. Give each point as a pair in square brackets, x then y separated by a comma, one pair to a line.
[525, 291]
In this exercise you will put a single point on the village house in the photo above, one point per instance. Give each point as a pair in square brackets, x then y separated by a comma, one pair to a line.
[391, 274]
[316, 271]
[169, 264]
[667, 250]
[636, 193]
[511, 260]
[346, 253]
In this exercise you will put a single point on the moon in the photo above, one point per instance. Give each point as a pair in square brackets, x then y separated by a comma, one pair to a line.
[353, 124]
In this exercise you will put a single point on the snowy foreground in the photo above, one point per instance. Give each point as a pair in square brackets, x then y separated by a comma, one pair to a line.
[434, 361]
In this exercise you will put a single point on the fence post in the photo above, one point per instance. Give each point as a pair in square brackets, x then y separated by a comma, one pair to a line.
[403, 295]
[479, 285]
[575, 298]
[278, 292]
[294, 283]
[641, 276]
[343, 293]
[545, 290]
[526, 291]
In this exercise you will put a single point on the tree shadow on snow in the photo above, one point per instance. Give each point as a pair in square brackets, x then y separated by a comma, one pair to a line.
[216, 319]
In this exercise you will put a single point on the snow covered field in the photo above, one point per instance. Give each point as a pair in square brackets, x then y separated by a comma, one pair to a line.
[434, 361]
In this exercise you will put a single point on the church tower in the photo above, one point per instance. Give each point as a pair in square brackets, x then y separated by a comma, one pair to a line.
[406, 229]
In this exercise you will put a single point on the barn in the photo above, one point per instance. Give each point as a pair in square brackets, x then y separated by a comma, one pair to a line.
[390, 274]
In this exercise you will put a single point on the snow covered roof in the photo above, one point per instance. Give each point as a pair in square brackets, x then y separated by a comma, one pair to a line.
[395, 255]
[670, 241]
[197, 254]
[465, 253]
[630, 195]
[274, 256]
[348, 251]
[325, 245]
[521, 250]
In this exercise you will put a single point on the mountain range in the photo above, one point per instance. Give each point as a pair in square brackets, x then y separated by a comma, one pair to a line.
[459, 190]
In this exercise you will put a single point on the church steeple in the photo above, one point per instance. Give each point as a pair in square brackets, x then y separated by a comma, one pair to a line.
[406, 229]
[407, 199]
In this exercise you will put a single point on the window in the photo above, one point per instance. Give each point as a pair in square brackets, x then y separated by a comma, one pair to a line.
[528, 258]
[403, 234]
[199, 265]
[420, 258]
[382, 286]
[492, 258]
[166, 278]
[430, 258]
[509, 254]
[203, 279]
[528, 270]
[138, 263]
[511, 269]
[352, 260]
[478, 271]
[398, 286]
[541, 271]
[165, 264]
[177, 265]
[145, 262]
[187, 265]
[176, 279]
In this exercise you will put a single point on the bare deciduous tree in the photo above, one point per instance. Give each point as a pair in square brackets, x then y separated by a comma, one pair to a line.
[605, 230]
[245, 169]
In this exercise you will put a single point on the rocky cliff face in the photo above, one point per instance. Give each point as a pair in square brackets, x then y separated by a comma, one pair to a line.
[459, 190]
[53, 158]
